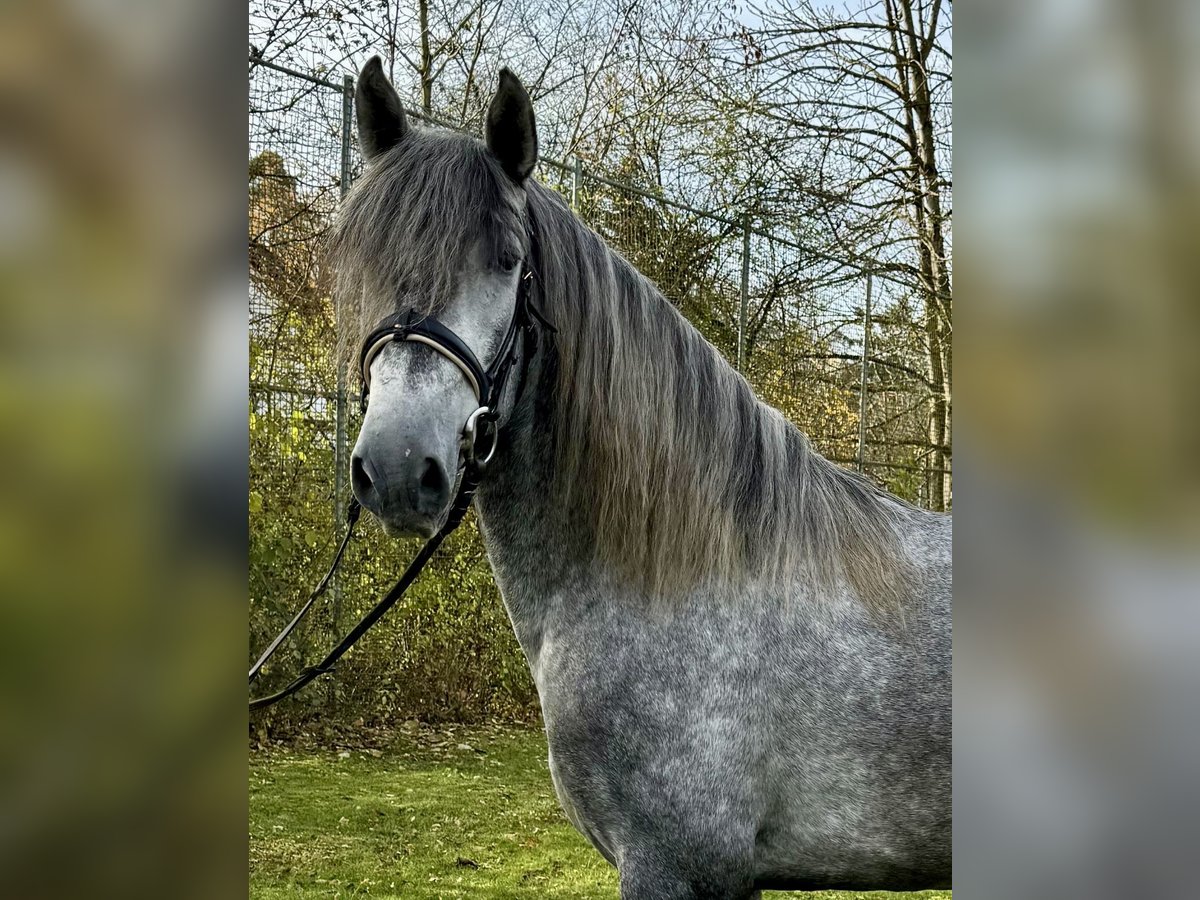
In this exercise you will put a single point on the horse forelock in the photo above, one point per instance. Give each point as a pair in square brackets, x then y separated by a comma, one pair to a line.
[401, 235]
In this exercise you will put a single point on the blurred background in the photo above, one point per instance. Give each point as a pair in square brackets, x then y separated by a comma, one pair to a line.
[1077, 578]
[123, 528]
[126, 347]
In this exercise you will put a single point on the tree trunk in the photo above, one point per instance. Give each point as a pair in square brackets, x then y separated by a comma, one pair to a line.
[426, 72]
[911, 58]
[939, 275]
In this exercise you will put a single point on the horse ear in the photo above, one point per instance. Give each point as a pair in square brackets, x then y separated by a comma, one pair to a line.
[381, 122]
[509, 130]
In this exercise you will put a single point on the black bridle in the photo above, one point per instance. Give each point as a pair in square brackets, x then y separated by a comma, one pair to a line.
[519, 342]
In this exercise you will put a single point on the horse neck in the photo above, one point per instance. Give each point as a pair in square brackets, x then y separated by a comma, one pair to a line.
[532, 542]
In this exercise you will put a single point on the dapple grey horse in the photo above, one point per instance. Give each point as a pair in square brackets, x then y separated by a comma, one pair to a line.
[742, 651]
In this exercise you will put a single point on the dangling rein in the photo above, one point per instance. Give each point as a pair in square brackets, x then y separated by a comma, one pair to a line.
[480, 439]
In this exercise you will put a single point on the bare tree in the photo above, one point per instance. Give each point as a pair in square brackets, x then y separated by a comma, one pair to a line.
[857, 107]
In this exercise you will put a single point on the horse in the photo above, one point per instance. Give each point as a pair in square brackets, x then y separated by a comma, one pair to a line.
[741, 650]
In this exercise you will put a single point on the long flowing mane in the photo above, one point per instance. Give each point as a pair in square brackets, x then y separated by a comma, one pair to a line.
[687, 475]
[683, 474]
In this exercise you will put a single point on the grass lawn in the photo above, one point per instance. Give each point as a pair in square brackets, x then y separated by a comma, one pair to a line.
[454, 812]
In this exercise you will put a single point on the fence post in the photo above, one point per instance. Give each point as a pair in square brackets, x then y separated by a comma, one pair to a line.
[862, 386]
[745, 297]
[576, 183]
[340, 463]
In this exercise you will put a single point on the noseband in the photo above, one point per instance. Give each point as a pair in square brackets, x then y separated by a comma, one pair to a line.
[481, 426]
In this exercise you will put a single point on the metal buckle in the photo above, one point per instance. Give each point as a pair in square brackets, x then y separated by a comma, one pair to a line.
[471, 436]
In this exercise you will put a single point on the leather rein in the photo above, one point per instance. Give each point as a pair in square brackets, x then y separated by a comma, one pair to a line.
[480, 439]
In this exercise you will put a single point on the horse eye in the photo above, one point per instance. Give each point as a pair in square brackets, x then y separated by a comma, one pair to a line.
[508, 262]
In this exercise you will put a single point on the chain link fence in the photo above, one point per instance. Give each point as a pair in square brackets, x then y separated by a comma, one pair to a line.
[792, 322]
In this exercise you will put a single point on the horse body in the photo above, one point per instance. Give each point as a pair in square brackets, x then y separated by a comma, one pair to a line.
[742, 651]
[776, 739]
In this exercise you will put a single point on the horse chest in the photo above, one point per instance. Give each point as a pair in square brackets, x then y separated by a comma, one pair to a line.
[642, 731]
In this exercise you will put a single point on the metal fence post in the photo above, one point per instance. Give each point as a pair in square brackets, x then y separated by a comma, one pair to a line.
[745, 295]
[340, 462]
[576, 183]
[862, 386]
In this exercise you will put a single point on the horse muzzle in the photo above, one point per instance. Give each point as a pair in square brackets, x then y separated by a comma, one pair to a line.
[410, 495]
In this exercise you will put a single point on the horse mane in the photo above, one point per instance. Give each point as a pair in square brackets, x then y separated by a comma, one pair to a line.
[685, 475]
[681, 474]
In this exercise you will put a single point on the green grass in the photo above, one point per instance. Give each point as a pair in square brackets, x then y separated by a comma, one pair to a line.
[458, 812]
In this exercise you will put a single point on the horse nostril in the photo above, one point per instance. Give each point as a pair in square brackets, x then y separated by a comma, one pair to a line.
[360, 481]
[432, 487]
